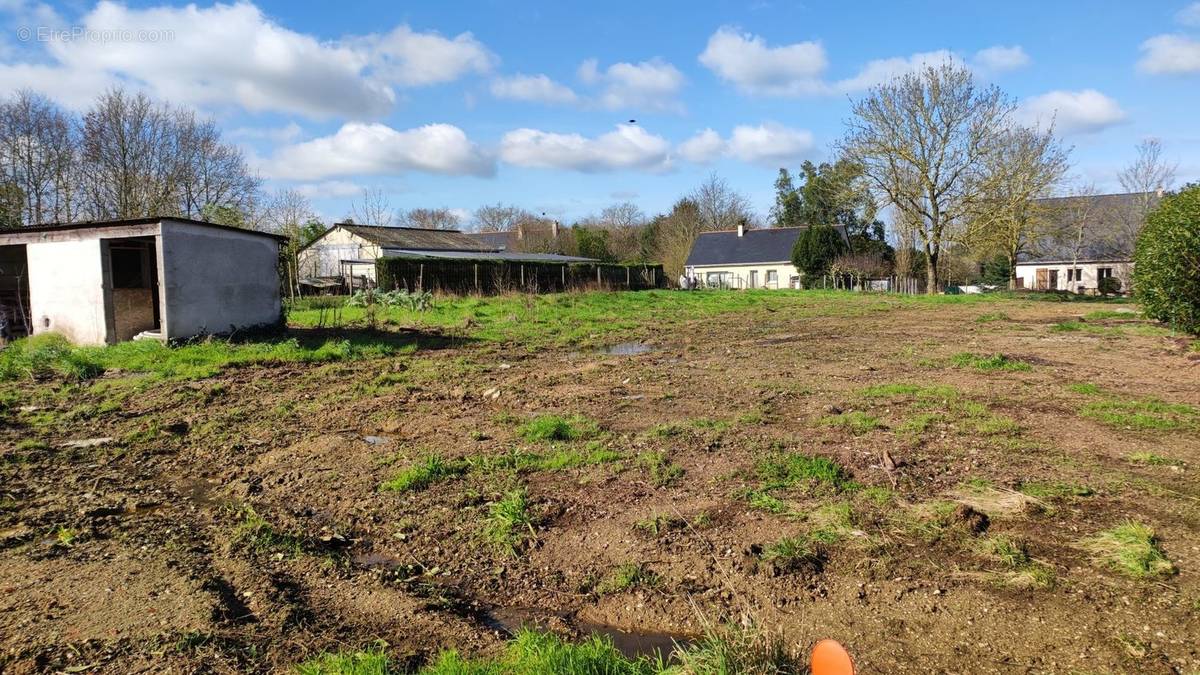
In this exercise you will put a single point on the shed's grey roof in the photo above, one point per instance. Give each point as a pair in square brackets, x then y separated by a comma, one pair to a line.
[122, 222]
[725, 247]
[416, 238]
[515, 256]
[1112, 223]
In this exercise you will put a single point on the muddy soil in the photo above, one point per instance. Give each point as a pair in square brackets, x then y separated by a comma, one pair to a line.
[236, 523]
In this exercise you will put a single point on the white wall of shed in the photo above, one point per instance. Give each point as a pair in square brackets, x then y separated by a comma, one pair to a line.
[66, 289]
[322, 258]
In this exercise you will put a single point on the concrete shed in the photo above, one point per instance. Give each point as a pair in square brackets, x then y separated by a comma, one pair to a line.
[107, 281]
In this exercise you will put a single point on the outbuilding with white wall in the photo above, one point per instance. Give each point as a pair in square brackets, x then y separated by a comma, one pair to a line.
[103, 282]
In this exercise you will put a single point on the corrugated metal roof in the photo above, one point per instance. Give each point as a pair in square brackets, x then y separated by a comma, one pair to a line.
[416, 238]
[515, 256]
[772, 244]
[149, 220]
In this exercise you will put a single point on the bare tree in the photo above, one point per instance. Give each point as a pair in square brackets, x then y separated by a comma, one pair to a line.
[499, 218]
[1025, 166]
[373, 208]
[1146, 177]
[626, 225]
[214, 175]
[38, 158]
[720, 206]
[286, 212]
[922, 139]
[1079, 214]
[429, 219]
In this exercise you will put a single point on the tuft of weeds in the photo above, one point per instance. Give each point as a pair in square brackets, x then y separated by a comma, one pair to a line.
[1086, 388]
[920, 392]
[628, 576]
[765, 501]
[533, 652]
[65, 536]
[661, 470]
[732, 649]
[790, 554]
[1142, 414]
[255, 533]
[1009, 552]
[427, 471]
[558, 428]
[995, 316]
[1055, 490]
[658, 524]
[994, 362]
[1101, 314]
[1152, 459]
[784, 470]
[856, 422]
[509, 524]
[367, 662]
[1132, 549]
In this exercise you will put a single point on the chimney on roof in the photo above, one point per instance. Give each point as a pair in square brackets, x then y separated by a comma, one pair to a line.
[554, 229]
[741, 229]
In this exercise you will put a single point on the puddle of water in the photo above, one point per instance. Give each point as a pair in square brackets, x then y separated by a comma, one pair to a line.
[631, 643]
[627, 349]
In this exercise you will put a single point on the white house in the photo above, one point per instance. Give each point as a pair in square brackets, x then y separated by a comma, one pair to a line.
[744, 258]
[1095, 242]
[169, 278]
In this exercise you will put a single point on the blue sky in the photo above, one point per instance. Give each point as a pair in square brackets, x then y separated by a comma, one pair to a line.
[463, 104]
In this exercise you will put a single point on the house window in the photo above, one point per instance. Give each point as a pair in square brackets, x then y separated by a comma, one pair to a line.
[772, 279]
[1074, 274]
[753, 278]
[1104, 273]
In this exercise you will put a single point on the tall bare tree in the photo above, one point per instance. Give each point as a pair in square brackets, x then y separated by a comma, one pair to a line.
[1146, 177]
[286, 212]
[1025, 166]
[372, 208]
[39, 157]
[214, 174]
[499, 217]
[921, 140]
[720, 206]
[626, 225]
[429, 219]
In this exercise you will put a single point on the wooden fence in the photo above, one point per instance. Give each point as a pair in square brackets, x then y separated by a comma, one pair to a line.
[487, 277]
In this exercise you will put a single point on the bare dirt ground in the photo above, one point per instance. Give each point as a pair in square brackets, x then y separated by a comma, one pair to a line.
[237, 523]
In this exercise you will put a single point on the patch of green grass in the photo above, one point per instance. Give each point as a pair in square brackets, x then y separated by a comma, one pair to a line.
[1132, 549]
[658, 524]
[1142, 414]
[1086, 388]
[534, 653]
[1101, 314]
[65, 536]
[425, 472]
[662, 471]
[626, 577]
[50, 354]
[921, 392]
[765, 501]
[737, 650]
[373, 662]
[1082, 327]
[919, 423]
[1152, 459]
[784, 470]
[509, 524]
[1008, 552]
[793, 553]
[558, 428]
[1055, 490]
[255, 533]
[856, 422]
[989, 363]
[994, 316]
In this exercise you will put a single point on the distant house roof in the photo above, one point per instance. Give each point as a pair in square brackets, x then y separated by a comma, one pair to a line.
[725, 247]
[416, 238]
[125, 222]
[496, 240]
[1109, 234]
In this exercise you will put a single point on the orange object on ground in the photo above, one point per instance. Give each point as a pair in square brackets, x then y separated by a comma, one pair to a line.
[831, 658]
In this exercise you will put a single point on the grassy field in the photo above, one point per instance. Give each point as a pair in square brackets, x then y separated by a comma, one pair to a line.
[959, 483]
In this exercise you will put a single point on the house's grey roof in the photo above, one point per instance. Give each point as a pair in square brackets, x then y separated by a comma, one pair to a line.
[725, 247]
[416, 238]
[515, 256]
[1109, 234]
[495, 240]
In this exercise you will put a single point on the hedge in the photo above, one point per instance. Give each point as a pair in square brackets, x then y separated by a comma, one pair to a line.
[490, 276]
[1166, 272]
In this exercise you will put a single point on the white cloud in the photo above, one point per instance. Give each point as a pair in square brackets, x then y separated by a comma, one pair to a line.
[409, 58]
[1072, 112]
[234, 55]
[769, 144]
[360, 149]
[539, 88]
[879, 71]
[285, 134]
[1190, 15]
[329, 189]
[1000, 59]
[747, 62]
[766, 144]
[648, 85]
[704, 147]
[628, 147]
[1170, 54]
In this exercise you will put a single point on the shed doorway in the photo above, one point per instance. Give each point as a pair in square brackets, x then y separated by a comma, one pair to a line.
[15, 319]
[131, 294]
